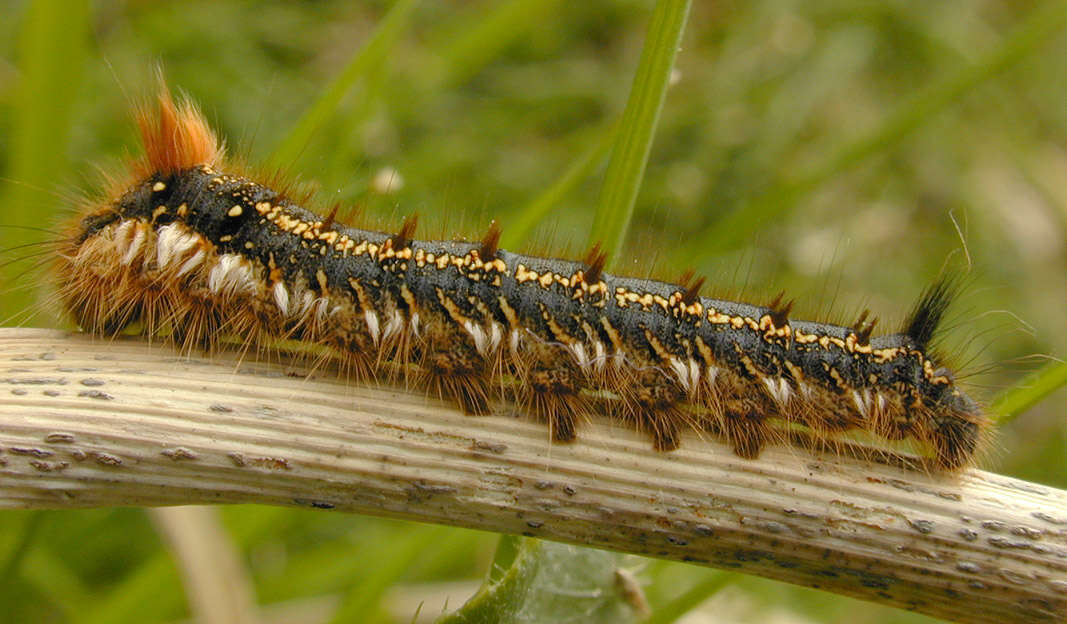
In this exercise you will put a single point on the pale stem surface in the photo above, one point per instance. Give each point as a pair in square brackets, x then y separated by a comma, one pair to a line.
[91, 423]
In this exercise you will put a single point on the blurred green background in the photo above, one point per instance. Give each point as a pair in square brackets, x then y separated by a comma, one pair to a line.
[842, 151]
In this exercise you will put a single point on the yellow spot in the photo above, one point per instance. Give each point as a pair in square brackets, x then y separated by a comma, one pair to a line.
[853, 345]
[881, 356]
[235, 211]
[717, 318]
[523, 275]
[158, 211]
[158, 186]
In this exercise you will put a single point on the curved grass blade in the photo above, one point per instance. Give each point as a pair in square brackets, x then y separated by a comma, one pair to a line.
[633, 142]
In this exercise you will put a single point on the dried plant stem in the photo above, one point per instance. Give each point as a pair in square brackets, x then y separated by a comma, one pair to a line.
[88, 423]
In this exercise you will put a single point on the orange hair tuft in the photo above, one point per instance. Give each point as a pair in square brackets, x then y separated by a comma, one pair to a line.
[177, 137]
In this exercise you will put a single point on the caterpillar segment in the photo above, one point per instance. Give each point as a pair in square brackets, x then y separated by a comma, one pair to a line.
[192, 251]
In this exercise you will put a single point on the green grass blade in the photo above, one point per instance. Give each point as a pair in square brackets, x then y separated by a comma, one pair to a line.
[51, 54]
[149, 589]
[738, 226]
[638, 126]
[690, 599]
[367, 58]
[362, 603]
[147, 593]
[471, 50]
[516, 233]
[9, 568]
[1009, 404]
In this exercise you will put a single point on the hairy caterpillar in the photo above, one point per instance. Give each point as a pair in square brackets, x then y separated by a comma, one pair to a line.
[193, 250]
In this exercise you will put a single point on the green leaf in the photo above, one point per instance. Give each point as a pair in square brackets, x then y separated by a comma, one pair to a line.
[531, 581]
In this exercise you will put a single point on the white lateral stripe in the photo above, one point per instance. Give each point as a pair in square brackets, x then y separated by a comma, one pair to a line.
[681, 371]
[134, 246]
[578, 349]
[371, 317]
[192, 262]
[393, 326]
[281, 298]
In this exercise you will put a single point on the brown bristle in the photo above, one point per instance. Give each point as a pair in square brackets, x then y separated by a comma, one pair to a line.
[780, 311]
[685, 278]
[594, 260]
[407, 230]
[662, 427]
[560, 411]
[327, 223]
[864, 329]
[745, 429]
[692, 291]
[176, 137]
[489, 242]
[554, 381]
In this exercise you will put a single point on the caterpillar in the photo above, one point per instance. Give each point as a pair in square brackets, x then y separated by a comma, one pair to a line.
[191, 248]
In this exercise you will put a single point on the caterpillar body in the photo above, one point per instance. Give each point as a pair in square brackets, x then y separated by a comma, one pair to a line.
[193, 250]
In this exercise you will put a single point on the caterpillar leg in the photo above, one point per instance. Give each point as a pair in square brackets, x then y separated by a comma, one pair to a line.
[745, 426]
[553, 383]
[454, 368]
[651, 400]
